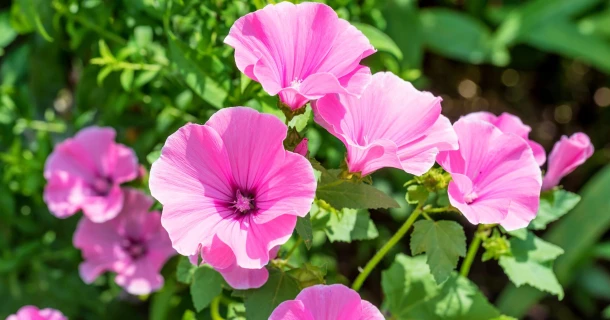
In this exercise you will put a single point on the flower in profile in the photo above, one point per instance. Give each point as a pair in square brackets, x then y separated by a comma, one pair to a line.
[509, 123]
[33, 313]
[321, 302]
[391, 125]
[85, 172]
[495, 176]
[566, 156]
[300, 52]
[133, 244]
[230, 190]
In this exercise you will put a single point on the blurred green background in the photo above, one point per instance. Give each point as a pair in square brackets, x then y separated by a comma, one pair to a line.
[146, 67]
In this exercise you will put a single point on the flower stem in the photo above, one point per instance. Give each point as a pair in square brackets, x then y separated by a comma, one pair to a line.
[214, 309]
[294, 247]
[472, 252]
[386, 248]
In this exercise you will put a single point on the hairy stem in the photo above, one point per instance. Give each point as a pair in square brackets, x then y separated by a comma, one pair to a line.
[386, 248]
[472, 252]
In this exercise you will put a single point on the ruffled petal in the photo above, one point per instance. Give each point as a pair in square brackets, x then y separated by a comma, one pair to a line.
[370, 312]
[103, 208]
[242, 279]
[291, 310]
[64, 194]
[566, 156]
[331, 302]
[140, 278]
[126, 164]
[97, 144]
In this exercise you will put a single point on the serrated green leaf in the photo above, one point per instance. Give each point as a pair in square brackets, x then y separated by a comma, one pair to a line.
[379, 40]
[261, 302]
[304, 230]
[348, 225]
[553, 205]
[185, 58]
[443, 242]
[346, 194]
[207, 284]
[185, 270]
[127, 79]
[531, 263]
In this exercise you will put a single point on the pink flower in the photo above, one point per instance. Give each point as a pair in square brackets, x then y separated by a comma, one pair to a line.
[509, 123]
[321, 302]
[33, 313]
[300, 52]
[391, 125]
[85, 172]
[236, 276]
[566, 156]
[134, 245]
[230, 190]
[301, 148]
[495, 176]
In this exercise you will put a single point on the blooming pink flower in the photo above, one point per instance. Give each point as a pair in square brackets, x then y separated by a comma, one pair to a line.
[300, 52]
[509, 123]
[301, 148]
[134, 245]
[85, 172]
[230, 190]
[33, 313]
[321, 302]
[566, 156]
[495, 176]
[391, 125]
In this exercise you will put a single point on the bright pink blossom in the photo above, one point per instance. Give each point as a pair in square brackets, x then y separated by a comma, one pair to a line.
[229, 188]
[495, 176]
[391, 125]
[134, 245]
[566, 156]
[85, 172]
[300, 52]
[301, 148]
[33, 313]
[332, 302]
[509, 123]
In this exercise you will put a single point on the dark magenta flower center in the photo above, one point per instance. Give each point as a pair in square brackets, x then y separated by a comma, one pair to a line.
[243, 203]
[102, 186]
[134, 248]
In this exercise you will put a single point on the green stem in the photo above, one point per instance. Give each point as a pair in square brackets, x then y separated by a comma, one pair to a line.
[386, 248]
[294, 247]
[472, 252]
[214, 309]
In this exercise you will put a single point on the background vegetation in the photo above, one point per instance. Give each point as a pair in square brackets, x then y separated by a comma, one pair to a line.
[146, 67]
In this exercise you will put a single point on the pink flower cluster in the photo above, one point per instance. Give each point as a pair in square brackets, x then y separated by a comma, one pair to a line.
[33, 313]
[116, 233]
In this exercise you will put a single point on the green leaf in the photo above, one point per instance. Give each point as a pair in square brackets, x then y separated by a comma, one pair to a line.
[143, 36]
[207, 284]
[459, 36]
[444, 242]
[145, 77]
[345, 194]
[31, 10]
[379, 40]
[304, 230]
[127, 79]
[412, 293]
[532, 264]
[7, 33]
[261, 302]
[403, 15]
[103, 74]
[185, 270]
[185, 58]
[153, 156]
[236, 311]
[349, 225]
[308, 275]
[417, 194]
[105, 51]
[553, 205]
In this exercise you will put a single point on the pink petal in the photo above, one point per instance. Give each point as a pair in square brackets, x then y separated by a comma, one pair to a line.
[96, 143]
[283, 44]
[33, 313]
[539, 152]
[331, 302]
[370, 312]
[566, 156]
[64, 194]
[103, 208]
[301, 148]
[140, 278]
[391, 125]
[242, 279]
[292, 310]
[126, 164]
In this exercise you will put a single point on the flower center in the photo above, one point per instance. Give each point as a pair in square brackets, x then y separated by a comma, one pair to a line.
[471, 197]
[134, 248]
[296, 83]
[242, 203]
[102, 186]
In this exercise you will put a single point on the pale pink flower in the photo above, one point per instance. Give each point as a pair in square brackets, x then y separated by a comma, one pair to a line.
[300, 52]
[509, 123]
[230, 190]
[566, 156]
[391, 125]
[495, 176]
[33, 313]
[133, 244]
[85, 172]
[321, 302]
[301, 148]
